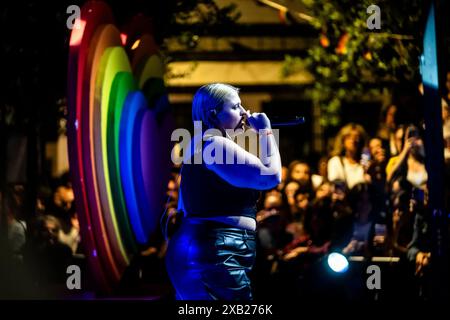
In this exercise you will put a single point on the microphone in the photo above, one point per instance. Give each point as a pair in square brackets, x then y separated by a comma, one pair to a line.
[280, 122]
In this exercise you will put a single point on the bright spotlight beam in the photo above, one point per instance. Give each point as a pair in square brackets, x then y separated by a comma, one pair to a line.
[337, 262]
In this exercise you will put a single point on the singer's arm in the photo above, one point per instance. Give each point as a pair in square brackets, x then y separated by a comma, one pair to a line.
[269, 154]
[247, 170]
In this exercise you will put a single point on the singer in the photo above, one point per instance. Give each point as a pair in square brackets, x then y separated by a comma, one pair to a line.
[211, 254]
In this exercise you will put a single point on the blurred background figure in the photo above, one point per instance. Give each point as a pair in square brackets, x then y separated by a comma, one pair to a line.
[16, 226]
[387, 126]
[446, 129]
[361, 205]
[410, 163]
[377, 174]
[322, 173]
[63, 208]
[46, 258]
[284, 177]
[324, 190]
[345, 164]
[300, 172]
[289, 195]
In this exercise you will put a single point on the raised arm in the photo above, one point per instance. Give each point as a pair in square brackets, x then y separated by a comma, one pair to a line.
[246, 170]
[401, 161]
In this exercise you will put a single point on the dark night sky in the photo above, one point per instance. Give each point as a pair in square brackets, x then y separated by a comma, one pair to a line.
[35, 53]
[35, 49]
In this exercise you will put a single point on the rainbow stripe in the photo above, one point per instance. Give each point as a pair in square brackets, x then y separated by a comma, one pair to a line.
[119, 138]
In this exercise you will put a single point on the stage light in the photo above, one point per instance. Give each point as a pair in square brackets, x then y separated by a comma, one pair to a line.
[123, 38]
[77, 33]
[136, 44]
[337, 262]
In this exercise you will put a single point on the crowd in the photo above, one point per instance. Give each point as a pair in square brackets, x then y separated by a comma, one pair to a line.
[366, 198]
[40, 246]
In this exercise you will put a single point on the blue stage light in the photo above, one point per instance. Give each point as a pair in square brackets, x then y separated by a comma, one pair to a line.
[337, 262]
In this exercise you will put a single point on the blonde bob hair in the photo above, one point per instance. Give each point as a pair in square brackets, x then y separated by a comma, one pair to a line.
[210, 98]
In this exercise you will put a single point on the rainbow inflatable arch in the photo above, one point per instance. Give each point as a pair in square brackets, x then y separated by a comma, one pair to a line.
[119, 131]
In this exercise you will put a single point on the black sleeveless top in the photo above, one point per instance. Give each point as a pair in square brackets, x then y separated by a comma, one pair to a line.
[205, 194]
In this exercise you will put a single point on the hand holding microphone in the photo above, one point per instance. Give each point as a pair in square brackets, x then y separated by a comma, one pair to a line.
[261, 121]
[257, 121]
